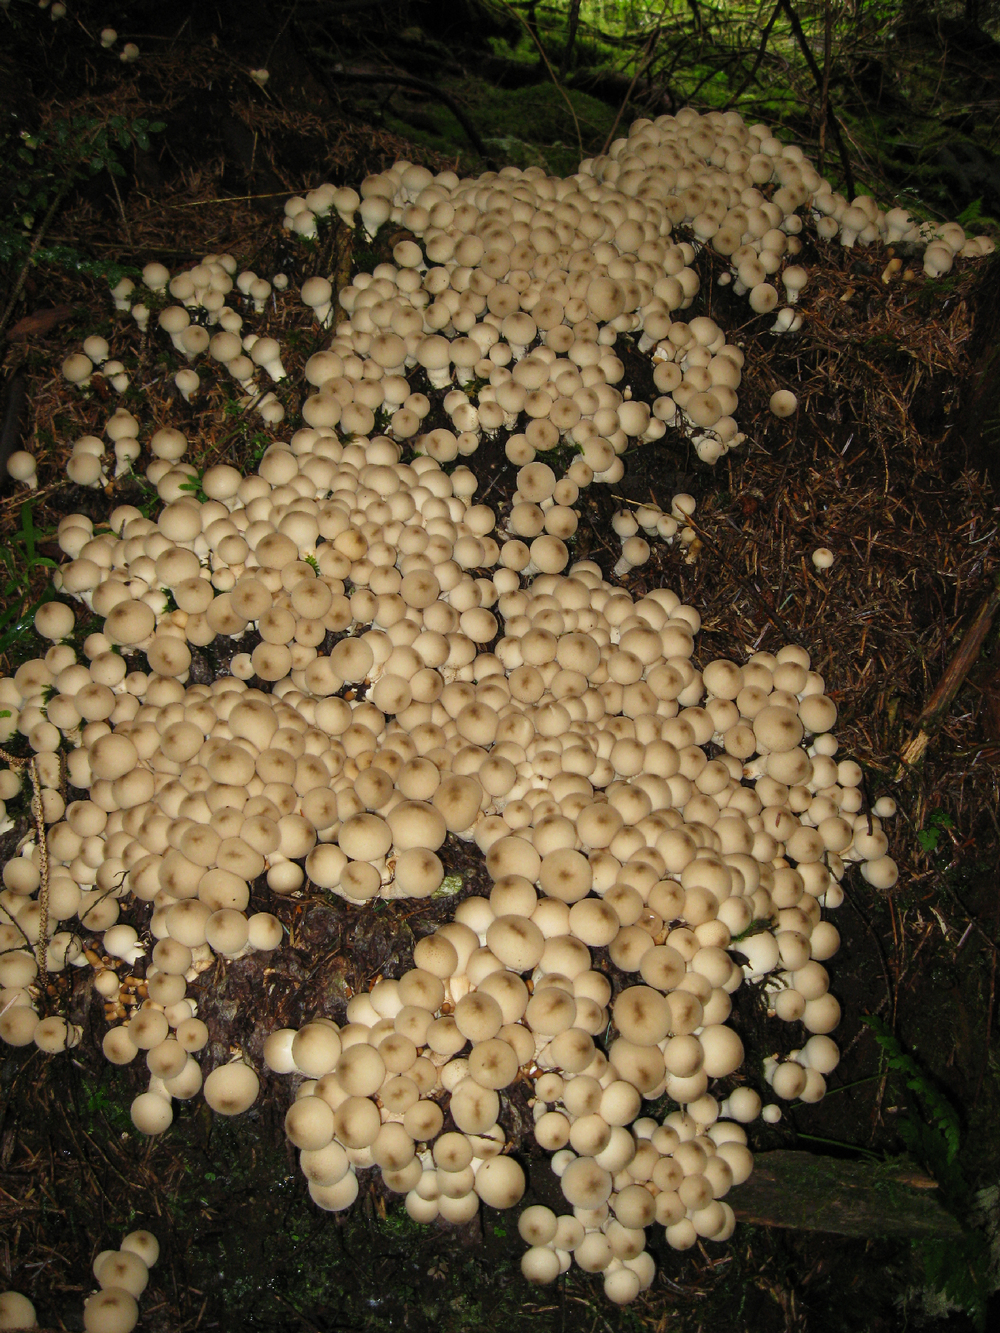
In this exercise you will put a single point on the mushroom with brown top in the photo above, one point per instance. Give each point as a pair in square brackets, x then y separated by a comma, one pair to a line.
[232, 1088]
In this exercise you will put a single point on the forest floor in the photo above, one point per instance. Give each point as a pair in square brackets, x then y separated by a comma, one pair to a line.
[885, 463]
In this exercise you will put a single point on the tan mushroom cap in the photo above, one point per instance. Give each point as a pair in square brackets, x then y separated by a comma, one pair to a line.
[642, 1015]
[110, 1311]
[516, 941]
[129, 623]
[474, 1108]
[361, 1070]
[124, 1269]
[493, 1063]
[585, 1184]
[16, 1311]
[500, 1182]
[231, 1089]
[151, 1113]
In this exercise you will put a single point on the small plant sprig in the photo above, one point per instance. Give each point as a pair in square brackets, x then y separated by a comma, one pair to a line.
[21, 559]
[960, 1269]
[47, 165]
[930, 837]
[67, 151]
[194, 487]
[935, 1106]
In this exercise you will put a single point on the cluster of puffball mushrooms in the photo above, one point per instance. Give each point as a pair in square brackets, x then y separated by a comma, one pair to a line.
[122, 1276]
[421, 669]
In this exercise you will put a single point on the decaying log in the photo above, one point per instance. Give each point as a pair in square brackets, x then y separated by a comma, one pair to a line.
[807, 1192]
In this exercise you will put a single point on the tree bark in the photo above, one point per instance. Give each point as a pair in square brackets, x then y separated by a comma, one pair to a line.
[574, 23]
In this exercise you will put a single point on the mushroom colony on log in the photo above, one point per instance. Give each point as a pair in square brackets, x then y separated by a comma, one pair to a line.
[694, 823]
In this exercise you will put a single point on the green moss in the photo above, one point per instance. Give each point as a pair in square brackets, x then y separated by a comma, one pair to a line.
[539, 114]
[538, 128]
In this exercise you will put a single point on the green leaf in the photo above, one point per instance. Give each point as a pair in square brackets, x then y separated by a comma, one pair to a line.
[28, 530]
[450, 885]
[7, 616]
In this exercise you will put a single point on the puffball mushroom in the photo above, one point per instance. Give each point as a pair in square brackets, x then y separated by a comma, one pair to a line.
[78, 369]
[187, 382]
[585, 1184]
[112, 1310]
[151, 1113]
[21, 466]
[231, 1089]
[783, 403]
[124, 1269]
[500, 1182]
[317, 293]
[16, 1311]
[537, 1225]
[635, 552]
[54, 620]
[540, 1265]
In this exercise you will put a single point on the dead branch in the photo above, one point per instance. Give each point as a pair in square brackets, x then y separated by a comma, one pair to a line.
[432, 89]
[757, 59]
[951, 682]
[828, 110]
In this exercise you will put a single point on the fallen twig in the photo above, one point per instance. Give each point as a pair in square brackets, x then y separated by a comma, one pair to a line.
[950, 683]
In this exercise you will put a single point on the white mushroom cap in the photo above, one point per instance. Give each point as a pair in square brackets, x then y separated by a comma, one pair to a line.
[151, 1113]
[783, 403]
[585, 1184]
[123, 1268]
[144, 1244]
[78, 369]
[537, 1225]
[16, 1311]
[22, 467]
[540, 1264]
[112, 1310]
